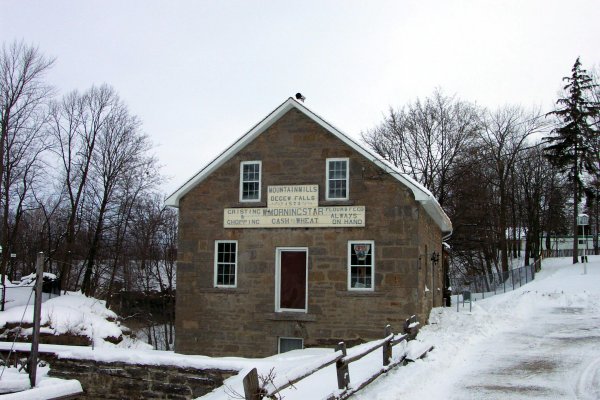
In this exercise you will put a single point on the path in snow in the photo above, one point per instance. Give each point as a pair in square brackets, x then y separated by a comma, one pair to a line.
[556, 355]
[541, 341]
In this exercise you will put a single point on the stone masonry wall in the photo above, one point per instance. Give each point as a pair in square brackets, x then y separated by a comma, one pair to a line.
[118, 380]
[431, 275]
[242, 321]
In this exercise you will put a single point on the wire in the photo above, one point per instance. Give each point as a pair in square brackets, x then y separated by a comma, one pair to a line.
[12, 347]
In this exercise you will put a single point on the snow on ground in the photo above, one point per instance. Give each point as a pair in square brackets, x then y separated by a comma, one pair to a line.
[22, 292]
[539, 341]
[14, 381]
[76, 314]
[71, 313]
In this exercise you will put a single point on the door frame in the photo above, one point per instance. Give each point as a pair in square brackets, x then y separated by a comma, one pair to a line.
[278, 251]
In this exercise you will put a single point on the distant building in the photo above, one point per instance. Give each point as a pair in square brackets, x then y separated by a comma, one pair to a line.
[297, 236]
[566, 243]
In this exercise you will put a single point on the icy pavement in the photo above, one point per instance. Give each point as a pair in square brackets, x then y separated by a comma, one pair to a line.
[539, 342]
[555, 355]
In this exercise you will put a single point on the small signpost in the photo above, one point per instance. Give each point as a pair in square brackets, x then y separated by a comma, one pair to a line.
[583, 220]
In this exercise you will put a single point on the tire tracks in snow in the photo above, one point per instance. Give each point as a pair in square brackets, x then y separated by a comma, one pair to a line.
[588, 384]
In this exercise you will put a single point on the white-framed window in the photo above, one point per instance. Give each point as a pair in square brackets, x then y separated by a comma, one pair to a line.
[250, 180]
[337, 177]
[361, 265]
[288, 344]
[225, 263]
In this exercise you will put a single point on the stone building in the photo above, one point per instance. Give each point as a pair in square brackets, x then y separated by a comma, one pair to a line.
[297, 236]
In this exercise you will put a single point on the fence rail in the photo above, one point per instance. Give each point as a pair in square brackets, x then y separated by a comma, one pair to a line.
[341, 359]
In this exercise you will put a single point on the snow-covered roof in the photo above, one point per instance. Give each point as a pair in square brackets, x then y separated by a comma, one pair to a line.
[422, 195]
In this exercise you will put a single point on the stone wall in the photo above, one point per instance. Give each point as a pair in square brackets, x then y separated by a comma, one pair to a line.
[127, 381]
[242, 321]
[431, 274]
[103, 380]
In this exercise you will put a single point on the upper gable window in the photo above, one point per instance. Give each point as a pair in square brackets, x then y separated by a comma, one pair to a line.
[250, 179]
[337, 179]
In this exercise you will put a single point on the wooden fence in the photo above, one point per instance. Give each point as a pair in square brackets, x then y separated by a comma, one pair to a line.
[254, 391]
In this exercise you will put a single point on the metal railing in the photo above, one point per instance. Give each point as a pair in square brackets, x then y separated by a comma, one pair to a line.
[471, 288]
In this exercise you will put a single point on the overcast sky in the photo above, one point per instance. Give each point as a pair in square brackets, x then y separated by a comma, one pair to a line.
[199, 74]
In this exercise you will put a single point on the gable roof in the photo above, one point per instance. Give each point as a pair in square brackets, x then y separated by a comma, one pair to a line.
[422, 195]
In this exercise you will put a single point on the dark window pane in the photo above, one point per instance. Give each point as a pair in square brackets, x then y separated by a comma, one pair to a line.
[226, 263]
[361, 265]
[288, 344]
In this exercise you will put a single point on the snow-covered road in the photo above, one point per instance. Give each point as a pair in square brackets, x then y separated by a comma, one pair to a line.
[540, 342]
[555, 355]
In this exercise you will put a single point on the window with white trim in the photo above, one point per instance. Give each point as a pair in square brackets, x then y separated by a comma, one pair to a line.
[250, 175]
[337, 179]
[361, 265]
[225, 263]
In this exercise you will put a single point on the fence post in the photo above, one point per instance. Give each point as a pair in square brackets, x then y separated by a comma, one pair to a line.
[343, 375]
[495, 283]
[457, 302]
[387, 346]
[483, 285]
[37, 312]
[520, 277]
[512, 278]
[251, 388]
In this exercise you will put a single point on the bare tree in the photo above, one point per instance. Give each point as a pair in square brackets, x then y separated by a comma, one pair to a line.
[23, 114]
[77, 122]
[535, 179]
[121, 150]
[425, 139]
[134, 189]
[504, 135]
[474, 218]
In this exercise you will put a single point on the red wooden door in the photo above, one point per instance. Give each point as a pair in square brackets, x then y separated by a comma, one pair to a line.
[292, 275]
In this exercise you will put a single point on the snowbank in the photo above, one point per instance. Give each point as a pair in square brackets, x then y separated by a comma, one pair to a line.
[78, 315]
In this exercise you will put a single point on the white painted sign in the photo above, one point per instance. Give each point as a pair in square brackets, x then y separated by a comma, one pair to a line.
[293, 196]
[294, 217]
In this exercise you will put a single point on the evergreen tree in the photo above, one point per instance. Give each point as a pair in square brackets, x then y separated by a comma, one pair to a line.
[570, 146]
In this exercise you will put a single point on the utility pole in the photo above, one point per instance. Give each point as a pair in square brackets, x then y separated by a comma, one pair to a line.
[37, 311]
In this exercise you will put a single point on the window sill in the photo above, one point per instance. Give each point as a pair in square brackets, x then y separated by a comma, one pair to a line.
[327, 203]
[224, 290]
[357, 293]
[250, 204]
[291, 316]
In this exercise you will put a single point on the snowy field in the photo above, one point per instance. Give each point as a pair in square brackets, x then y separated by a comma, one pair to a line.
[541, 341]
